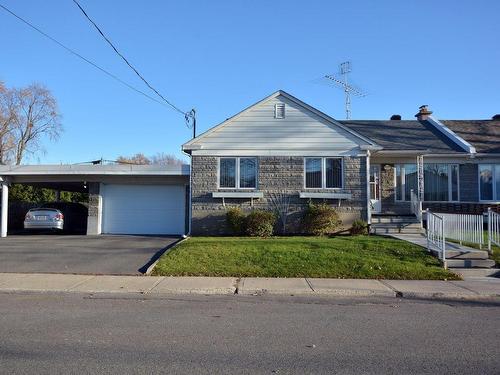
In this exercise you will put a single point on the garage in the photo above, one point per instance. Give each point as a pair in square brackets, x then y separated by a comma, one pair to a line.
[122, 199]
[143, 209]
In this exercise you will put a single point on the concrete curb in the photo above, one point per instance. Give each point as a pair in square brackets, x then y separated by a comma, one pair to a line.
[152, 266]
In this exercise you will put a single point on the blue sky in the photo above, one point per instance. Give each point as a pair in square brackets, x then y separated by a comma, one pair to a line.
[221, 56]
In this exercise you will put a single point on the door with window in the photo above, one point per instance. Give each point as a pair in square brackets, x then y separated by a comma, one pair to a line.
[375, 202]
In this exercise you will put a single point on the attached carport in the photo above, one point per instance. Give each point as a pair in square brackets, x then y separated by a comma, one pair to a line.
[123, 199]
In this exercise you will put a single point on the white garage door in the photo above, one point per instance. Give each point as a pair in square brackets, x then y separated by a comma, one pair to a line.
[143, 209]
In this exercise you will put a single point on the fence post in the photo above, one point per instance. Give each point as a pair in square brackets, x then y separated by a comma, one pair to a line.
[489, 230]
[443, 244]
[427, 216]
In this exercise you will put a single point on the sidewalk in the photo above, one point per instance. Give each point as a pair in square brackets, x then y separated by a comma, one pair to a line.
[472, 288]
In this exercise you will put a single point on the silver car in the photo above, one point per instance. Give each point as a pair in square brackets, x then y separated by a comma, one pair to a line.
[44, 218]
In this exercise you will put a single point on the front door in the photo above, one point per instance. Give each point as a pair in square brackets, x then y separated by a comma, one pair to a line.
[375, 203]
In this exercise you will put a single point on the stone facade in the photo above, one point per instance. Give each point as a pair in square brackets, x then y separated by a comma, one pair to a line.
[276, 174]
[95, 205]
[387, 192]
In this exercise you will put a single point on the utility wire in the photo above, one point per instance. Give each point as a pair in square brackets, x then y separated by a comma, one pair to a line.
[81, 57]
[128, 63]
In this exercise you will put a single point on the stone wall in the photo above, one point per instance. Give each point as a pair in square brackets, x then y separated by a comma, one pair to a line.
[95, 207]
[387, 192]
[276, 175]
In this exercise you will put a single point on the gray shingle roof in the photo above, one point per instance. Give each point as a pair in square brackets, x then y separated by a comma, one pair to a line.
[484, 135]
[404, 135]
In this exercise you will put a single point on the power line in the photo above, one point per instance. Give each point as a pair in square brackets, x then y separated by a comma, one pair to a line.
[127, 62]
[80, 56]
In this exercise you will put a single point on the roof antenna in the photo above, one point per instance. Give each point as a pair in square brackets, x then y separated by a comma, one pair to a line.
[349, 89]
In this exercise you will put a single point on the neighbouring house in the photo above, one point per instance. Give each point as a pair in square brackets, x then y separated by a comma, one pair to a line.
[282, 146]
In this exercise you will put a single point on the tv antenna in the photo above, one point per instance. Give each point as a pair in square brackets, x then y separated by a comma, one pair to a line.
[349, 89]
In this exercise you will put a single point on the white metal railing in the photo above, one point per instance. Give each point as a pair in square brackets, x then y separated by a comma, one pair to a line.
[493, 229]
[416, 206]
[435, 234]
[464, 228]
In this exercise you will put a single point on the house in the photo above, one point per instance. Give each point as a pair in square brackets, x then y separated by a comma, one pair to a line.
[283, 146]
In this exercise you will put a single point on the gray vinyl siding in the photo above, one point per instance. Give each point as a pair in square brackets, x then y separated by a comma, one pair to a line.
[300, 130]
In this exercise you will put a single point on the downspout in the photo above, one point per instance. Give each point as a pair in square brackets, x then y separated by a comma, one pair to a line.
[190, 210]
[368, 198]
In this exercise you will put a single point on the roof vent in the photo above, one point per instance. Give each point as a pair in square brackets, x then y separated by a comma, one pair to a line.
[279, 110]
[395, 117]
[496, 117]
[423, 113]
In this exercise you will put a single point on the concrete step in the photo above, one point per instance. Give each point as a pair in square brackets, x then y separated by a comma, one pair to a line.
[470, 263]
[463, 254]
[395, 229]
[467, 273]
[394, 219]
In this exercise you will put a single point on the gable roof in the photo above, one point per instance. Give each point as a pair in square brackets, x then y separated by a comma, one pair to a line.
[484, 135]
[405, 135]
[193, 144]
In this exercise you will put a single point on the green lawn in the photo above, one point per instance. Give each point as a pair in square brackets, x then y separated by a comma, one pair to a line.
[369, 257]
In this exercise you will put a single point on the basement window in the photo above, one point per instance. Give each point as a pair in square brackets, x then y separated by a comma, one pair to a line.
[279, 110]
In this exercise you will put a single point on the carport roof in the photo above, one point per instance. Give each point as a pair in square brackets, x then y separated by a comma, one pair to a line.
[95, 170]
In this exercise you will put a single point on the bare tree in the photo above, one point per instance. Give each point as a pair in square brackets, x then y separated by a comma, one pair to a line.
[165, 159]
[36, 116]
[6, 124]
[158, 159]
[139, 159]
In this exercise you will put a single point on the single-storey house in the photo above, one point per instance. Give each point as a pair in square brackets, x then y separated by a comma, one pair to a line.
[283, 146]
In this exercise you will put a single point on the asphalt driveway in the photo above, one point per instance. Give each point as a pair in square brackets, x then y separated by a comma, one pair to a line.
[109, 255]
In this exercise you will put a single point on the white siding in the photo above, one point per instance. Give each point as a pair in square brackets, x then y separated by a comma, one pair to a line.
[301, 131]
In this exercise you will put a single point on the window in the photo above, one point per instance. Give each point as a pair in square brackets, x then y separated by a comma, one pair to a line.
[489, 182]
[279, 110]
[238, 173]
[440, 182]
[321, 173]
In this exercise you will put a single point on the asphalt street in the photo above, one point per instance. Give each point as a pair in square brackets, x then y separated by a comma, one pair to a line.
[79, 333]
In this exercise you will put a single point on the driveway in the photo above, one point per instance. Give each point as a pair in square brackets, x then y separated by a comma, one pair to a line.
[111, 255]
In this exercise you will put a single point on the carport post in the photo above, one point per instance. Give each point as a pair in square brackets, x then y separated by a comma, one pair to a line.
[5, 207]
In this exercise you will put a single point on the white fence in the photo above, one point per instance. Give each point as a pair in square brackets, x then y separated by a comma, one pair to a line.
[493, 229]
[436, 235]
[464, 228]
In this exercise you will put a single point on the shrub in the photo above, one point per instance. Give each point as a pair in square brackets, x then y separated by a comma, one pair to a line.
[260, 223]
[359, 227]
[320, 219]
[235, 219]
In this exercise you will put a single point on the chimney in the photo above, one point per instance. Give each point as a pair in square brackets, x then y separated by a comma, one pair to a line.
[496, 117]
[423, 113]
[396, 118]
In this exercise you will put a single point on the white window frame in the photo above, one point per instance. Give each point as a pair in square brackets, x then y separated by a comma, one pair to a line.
[276, 106]
[403, 183]
[493, 181]
[237, 173]
[323, 172]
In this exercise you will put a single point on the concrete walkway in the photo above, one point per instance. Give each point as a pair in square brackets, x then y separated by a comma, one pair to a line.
[421, 240]
[473, 288]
